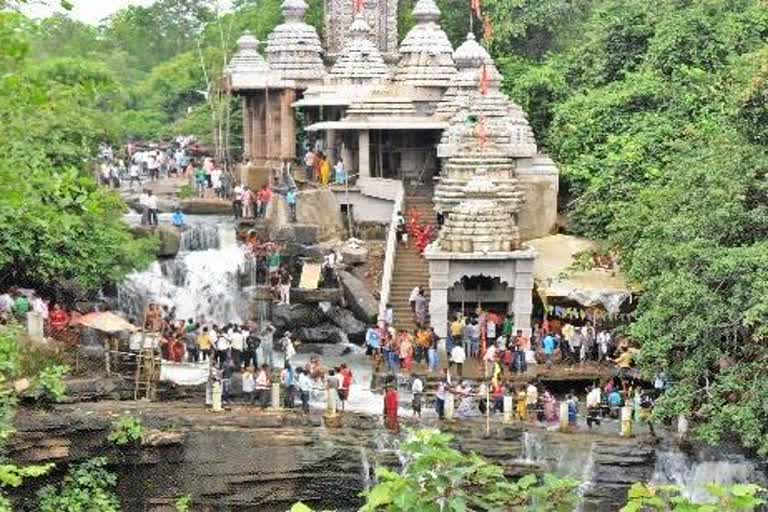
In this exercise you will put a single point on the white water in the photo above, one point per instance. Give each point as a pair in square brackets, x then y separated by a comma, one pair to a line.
[693, 473]
[202, 284]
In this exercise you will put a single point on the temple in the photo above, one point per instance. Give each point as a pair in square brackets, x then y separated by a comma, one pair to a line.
[419, 127]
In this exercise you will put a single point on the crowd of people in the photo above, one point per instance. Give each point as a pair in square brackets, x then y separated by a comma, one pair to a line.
[317, 168]
[247, 350]
[16, 304]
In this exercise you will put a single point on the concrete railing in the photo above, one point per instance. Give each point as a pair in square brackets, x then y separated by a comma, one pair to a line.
[391, 250]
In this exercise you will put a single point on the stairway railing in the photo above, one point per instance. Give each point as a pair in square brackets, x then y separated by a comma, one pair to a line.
[391, 250]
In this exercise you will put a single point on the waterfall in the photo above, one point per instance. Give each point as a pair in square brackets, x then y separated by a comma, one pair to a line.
[200, 237]
[200, 283]
[366, 468]
[588, 472]
[692, 472]
[531, 448]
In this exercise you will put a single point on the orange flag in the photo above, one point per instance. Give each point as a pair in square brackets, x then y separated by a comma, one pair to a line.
[476, 8]
[358, 6]
[485, 80]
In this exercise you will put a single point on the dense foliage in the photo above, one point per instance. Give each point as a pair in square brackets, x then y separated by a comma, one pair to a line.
[87, 487]
[656, 113]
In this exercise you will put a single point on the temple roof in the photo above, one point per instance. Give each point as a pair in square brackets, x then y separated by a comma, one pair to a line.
[248, 69]
[360, 61]
[426, 54]
[479, 224]
[294, 47]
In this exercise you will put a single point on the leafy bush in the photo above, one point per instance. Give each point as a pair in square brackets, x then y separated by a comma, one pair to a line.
[739, 497]
[439, 477]
[87, 487]
[184, 503]
[127, 430]
[50, 386]
[186, 192]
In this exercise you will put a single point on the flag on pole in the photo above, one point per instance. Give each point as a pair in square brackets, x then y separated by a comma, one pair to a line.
[476, 8]
[358, 6]
[485, 80]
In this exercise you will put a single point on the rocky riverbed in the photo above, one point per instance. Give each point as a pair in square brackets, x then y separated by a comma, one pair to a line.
[248, 459]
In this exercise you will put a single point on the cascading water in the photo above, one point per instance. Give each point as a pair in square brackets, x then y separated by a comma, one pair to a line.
[203, 281]
[692, 472]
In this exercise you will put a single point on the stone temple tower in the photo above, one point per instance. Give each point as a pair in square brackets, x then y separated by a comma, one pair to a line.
[381, 16]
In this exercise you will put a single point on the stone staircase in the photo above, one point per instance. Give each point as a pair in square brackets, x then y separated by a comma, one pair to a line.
[411, 268]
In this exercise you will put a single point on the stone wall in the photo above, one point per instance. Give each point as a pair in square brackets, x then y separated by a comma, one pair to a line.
[538, 177]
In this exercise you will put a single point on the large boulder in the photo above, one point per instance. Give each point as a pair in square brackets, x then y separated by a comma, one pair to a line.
[301, 233]
[330, 295]
[325, 333]
[354, 254]
[358, 297]
[170, 241]
[346, 321]
[295, 316]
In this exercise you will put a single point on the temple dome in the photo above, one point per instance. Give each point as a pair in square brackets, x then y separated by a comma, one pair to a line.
[426, 54]
[247, 69]
[479, 223]
[360, 60]
[294, 48]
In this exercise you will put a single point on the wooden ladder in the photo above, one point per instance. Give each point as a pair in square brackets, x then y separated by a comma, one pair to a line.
[147, 375]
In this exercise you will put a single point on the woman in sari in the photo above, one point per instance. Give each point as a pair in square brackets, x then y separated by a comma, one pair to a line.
[325, 171]
[550, 407]
[406, 351]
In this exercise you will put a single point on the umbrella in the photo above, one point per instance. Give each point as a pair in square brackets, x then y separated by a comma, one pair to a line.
[105, 321]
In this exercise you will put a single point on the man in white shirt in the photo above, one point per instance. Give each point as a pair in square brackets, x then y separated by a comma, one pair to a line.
[305, 388]
[458, 357]
[412, 298]
[594, 402]
[151, 204]
[417, 390]
[237, 341]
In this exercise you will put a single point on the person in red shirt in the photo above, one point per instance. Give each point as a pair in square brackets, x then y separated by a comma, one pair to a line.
[390, 408]
[58, 318]
[345, 377]
[264, 197]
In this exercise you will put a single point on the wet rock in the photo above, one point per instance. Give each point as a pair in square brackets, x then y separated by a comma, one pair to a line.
[170, 241]
[330, 295]
[325, 333]
[197, 206]
[296, 316]
[358, 297]
[354, 255]
[302, 233]
[346, 321]
[324, 349]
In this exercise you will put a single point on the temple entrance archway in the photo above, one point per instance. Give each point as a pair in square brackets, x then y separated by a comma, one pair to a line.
[487, 292]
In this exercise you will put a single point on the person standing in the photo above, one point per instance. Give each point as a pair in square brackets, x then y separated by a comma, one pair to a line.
[309, 165]
[305, 388]
[287, 345]
[522, 343]
[190, 340]
[340, 174]
[204, 344]
[325, 170]
[237, 201]
[152, 208]
[238, 346]
[458, 357]
[594, 402]
[285, 286]
[249, 385]
[549, 345]
[247, 199]
[422, 309]
[264, 197]
[390, 408]
[345, 380]
[201, 182]
[21, 306]
[263, 386]
[287, 379]
[178, 219]
[417, 390]
[412, 298]
[133, 175]
[291, 198]
[440, 396]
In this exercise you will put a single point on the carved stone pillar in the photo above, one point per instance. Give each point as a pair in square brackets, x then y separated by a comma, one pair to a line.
[438, 296]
